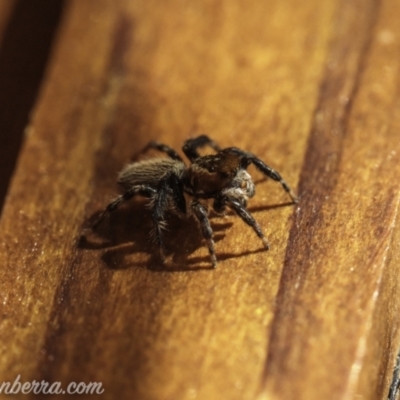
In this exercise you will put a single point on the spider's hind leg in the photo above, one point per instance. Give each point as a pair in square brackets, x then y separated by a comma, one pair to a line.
[164, 149]
[144, 190]
[191, 145]
[169, 190]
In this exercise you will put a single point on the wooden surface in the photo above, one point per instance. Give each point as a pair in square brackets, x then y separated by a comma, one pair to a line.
[27, 29]
[311, 89]
[6, 8]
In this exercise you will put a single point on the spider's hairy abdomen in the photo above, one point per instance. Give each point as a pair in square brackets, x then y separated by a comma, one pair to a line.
[148, 172]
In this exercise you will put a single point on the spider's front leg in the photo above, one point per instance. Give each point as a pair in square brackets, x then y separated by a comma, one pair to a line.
[239, 207]
[201, 214]
[249, 158]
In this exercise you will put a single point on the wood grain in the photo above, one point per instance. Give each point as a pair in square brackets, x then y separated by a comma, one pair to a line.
[6, 8]
[312, 90]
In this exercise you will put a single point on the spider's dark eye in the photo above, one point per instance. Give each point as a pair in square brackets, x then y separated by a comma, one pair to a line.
[224, 174]
[244, 163]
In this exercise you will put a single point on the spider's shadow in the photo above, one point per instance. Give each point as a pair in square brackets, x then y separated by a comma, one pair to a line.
[269, 207]
[127, 231]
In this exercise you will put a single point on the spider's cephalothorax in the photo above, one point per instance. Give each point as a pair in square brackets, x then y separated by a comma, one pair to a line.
[171, 185]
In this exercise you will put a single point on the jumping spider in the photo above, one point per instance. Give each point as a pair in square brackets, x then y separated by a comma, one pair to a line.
[171, 185]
